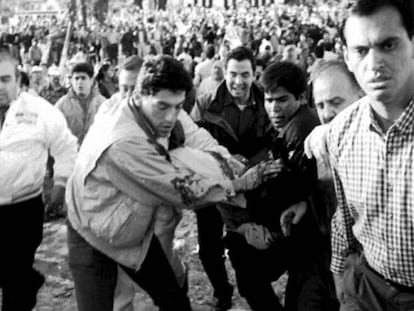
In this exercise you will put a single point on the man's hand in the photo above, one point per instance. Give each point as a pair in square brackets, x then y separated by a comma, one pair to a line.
[257, 174]
[237, 165]
[292, 216]
[315, 144]
[339, 286]
[56, 198]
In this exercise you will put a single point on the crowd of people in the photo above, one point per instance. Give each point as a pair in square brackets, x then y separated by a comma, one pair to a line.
[288, 131]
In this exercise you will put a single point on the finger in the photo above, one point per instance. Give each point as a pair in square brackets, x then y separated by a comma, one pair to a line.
[308, 149]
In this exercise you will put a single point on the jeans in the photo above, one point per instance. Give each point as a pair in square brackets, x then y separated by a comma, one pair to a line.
[95, 276]
[21, 232]
[366, 290]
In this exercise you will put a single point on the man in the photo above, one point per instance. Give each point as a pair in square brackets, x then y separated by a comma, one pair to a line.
[55, 90]
[124, 197]
[37, 80]
[334, 89]
[370, 146]
[82, 101]
[235, 115]
[127, 79]
[270, 238]
[203, 69]
[209, 84]
[29, 128]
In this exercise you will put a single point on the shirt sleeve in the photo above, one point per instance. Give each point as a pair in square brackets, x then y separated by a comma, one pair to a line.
[342, 238]
[137, 169]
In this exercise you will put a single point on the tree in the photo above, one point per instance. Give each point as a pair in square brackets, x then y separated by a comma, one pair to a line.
[100, 10]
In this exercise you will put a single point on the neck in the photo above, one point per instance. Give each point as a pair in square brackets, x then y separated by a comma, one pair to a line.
[389, 112]
[242, 101]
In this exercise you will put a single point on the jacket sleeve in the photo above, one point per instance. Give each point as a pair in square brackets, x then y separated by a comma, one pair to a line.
[137, 169]
[199, 138]
[62, 145]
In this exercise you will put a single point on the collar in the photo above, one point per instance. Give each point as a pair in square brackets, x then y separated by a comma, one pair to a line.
[405, 123]
[229, 100]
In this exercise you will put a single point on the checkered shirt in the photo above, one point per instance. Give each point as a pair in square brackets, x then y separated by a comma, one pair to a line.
[374, 182]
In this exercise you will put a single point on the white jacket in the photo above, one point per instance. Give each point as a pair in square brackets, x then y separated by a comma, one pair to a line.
[31, 128]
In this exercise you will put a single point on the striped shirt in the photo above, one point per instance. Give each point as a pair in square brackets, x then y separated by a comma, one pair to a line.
[373, 175]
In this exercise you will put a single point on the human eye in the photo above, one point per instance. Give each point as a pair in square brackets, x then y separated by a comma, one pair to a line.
[360, 50]
[390, 45]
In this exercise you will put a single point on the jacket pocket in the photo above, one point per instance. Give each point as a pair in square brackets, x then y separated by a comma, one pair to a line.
[127, 225]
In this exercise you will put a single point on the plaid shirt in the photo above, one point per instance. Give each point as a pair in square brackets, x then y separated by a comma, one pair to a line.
[373, 175]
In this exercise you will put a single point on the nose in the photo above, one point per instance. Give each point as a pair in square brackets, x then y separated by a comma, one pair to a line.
[171, 115]
[328, 114]
[238, 79]
[375, 59]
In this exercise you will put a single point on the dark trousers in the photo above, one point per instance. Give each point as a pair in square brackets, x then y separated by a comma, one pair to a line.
[310, 285]
[95, 277]
[21, 232]
[366, 290]
[211, 250]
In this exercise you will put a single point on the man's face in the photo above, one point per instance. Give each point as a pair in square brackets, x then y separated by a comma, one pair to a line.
[380, 54]
[333, 92]
[218, 74]
[239, 78]
[55, 80]
[81, 84]
[9, 84]
[162, 110]
[36, 76]
[281, 106]
[126, 81]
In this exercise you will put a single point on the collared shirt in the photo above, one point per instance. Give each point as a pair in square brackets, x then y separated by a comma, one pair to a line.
[52, 95]
[239, 119]
[373, 175]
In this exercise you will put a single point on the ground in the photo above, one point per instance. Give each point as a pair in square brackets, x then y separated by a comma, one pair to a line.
[58, 292]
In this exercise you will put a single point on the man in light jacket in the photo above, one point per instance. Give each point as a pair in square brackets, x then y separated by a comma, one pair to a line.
[125, 195]
[30, 127]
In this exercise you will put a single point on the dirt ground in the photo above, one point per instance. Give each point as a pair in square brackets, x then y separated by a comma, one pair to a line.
[58, 292]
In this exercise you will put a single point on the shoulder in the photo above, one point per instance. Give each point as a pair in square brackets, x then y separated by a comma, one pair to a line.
[301, 124]
[347, 124]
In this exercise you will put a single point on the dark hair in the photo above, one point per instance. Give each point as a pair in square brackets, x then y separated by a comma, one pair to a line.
[83, 67]
[242, 53]
[369, 7]
[321, 66]
[284, 74]
[210, 51]
[24, 79]
[163, 72]
[131, 63]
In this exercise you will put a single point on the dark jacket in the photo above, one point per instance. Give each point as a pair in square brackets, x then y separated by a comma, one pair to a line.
[296, 183]
[241, 132]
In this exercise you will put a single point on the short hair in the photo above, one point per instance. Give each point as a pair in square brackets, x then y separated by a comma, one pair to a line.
[322, 65]
[284, 74]
[242, 53]
[7, 57]
[83, 67]
[163, 72]
[369, 7]
[131, 63]
[24, 79]
[210, 51]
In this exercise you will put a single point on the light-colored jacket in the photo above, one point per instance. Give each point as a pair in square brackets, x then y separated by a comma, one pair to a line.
[123, 190]
[80, 115]
[33, 127]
